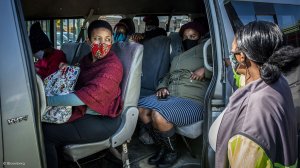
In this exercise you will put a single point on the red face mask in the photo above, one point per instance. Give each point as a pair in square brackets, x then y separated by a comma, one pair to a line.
[100, 50]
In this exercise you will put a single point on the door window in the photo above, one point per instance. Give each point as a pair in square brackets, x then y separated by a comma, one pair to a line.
[286, 16]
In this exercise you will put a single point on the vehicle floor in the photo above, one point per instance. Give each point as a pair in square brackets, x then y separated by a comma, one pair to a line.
[138, 156]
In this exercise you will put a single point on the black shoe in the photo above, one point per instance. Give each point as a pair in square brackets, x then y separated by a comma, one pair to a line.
[168, 159]
[156, 157]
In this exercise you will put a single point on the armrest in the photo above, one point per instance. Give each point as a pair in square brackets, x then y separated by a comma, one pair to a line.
[127, 127]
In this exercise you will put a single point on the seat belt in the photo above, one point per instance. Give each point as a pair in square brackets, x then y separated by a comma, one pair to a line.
[76, 56]
[75, 59]
[83, 27]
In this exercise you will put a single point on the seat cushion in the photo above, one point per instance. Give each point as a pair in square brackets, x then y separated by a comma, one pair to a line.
[191, 131]
[213, 131]
[75, 152]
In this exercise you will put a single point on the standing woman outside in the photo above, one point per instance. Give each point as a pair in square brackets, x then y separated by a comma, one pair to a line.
[259, 127]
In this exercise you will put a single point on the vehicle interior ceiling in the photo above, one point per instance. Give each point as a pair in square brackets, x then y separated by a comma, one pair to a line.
[38, 10]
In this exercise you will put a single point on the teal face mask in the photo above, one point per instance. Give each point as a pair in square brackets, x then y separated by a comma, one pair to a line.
[119, 37]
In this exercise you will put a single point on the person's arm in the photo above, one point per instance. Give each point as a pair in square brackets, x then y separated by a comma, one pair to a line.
[64, 100]
[243, 152]
[164, 83]
[55, 61]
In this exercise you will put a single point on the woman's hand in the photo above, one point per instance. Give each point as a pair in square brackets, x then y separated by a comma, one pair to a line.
[162, 93]
[63, 67]
[198, 74]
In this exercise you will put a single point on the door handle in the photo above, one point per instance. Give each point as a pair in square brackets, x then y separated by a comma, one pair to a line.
[205, 47]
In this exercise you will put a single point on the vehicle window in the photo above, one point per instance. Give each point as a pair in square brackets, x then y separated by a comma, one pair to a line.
[65, 30]
[139, 24]
[175, 24]
[45, 24]
[286, 16]
[111, 19]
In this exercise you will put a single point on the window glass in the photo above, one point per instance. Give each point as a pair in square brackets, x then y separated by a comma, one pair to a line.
[286, 16]
[175, 23]
[139, 24]
[65, 30]
[111, 19]
[45, 24]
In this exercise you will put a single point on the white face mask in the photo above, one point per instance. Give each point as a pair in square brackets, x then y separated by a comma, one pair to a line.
[39, 54]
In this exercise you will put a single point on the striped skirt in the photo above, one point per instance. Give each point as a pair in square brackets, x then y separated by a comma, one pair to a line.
[179, 111]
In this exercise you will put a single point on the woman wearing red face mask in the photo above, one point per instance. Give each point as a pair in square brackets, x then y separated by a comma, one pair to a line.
[96, 99]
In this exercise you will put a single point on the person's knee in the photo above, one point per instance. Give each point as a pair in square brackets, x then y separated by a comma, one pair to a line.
[144, 114]
[158, 118]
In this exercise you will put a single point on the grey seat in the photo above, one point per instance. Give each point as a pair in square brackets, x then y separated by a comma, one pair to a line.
[176, 44]
[75, 51]
[191, 131]
[130, 54]
[70, 50]
[156, 63]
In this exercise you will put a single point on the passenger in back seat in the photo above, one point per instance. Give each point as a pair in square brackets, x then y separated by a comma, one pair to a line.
[96, 101]
[179, 98]
[123, 30]
[48, 57]
[152, 30]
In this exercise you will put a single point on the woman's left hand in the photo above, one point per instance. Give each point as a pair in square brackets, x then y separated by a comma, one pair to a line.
[198, 74]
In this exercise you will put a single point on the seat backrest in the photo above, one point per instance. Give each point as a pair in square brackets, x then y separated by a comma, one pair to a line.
[83, 50]
[70, 50]
[176, 44]
[131, 55]
[75, 51]
[156, 63]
